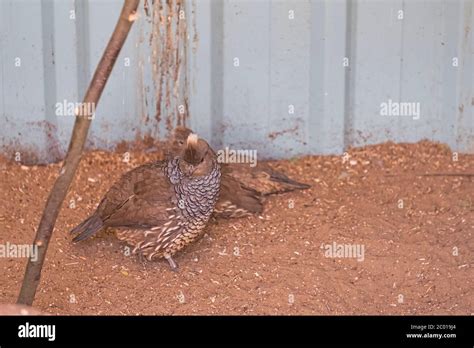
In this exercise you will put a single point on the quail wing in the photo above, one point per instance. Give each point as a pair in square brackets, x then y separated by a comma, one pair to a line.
[139, 199]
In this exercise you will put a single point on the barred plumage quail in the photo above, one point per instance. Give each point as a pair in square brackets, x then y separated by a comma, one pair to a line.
[263, 178]
[243, 188]
[161, 207]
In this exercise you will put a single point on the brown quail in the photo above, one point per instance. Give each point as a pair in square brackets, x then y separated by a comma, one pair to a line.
[161, 207]
[243, 187]
[263, 178]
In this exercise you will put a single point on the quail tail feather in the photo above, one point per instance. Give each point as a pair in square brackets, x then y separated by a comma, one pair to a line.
[287, 183]
[87, 228]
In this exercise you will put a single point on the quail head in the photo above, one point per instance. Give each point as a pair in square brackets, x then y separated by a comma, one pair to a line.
[160, 207]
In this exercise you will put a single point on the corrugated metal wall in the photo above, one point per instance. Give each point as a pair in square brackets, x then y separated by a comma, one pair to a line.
[283, 77]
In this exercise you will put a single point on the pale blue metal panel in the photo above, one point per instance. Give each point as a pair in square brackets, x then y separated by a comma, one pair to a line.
[117, 116]
[290, 94]
[246, 73]
[22, 65]
[62, 67]
[205, 67]
[409, 59]
[375, 69]
[285, 129]
[329, 77]
[465, 79]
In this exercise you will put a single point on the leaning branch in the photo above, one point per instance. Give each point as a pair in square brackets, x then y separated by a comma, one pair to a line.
[76, 145]
[433, 174]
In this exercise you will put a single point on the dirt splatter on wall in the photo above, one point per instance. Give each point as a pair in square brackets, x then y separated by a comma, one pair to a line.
[168, 41]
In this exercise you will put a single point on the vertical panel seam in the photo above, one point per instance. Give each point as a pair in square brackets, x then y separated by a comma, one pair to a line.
[349, 74]
[50, 123]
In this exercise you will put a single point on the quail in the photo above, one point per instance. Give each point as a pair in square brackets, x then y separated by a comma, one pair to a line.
[161, 207]
[263, 178]
[243, 188]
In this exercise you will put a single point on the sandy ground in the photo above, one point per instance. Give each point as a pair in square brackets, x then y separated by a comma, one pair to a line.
[416, 233]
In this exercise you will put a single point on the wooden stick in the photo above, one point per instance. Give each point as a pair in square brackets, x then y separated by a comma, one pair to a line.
[447, 174]
[433, 174]
[76, 145]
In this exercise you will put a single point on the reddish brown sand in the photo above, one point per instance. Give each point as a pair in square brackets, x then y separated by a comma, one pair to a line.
[418, 258]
